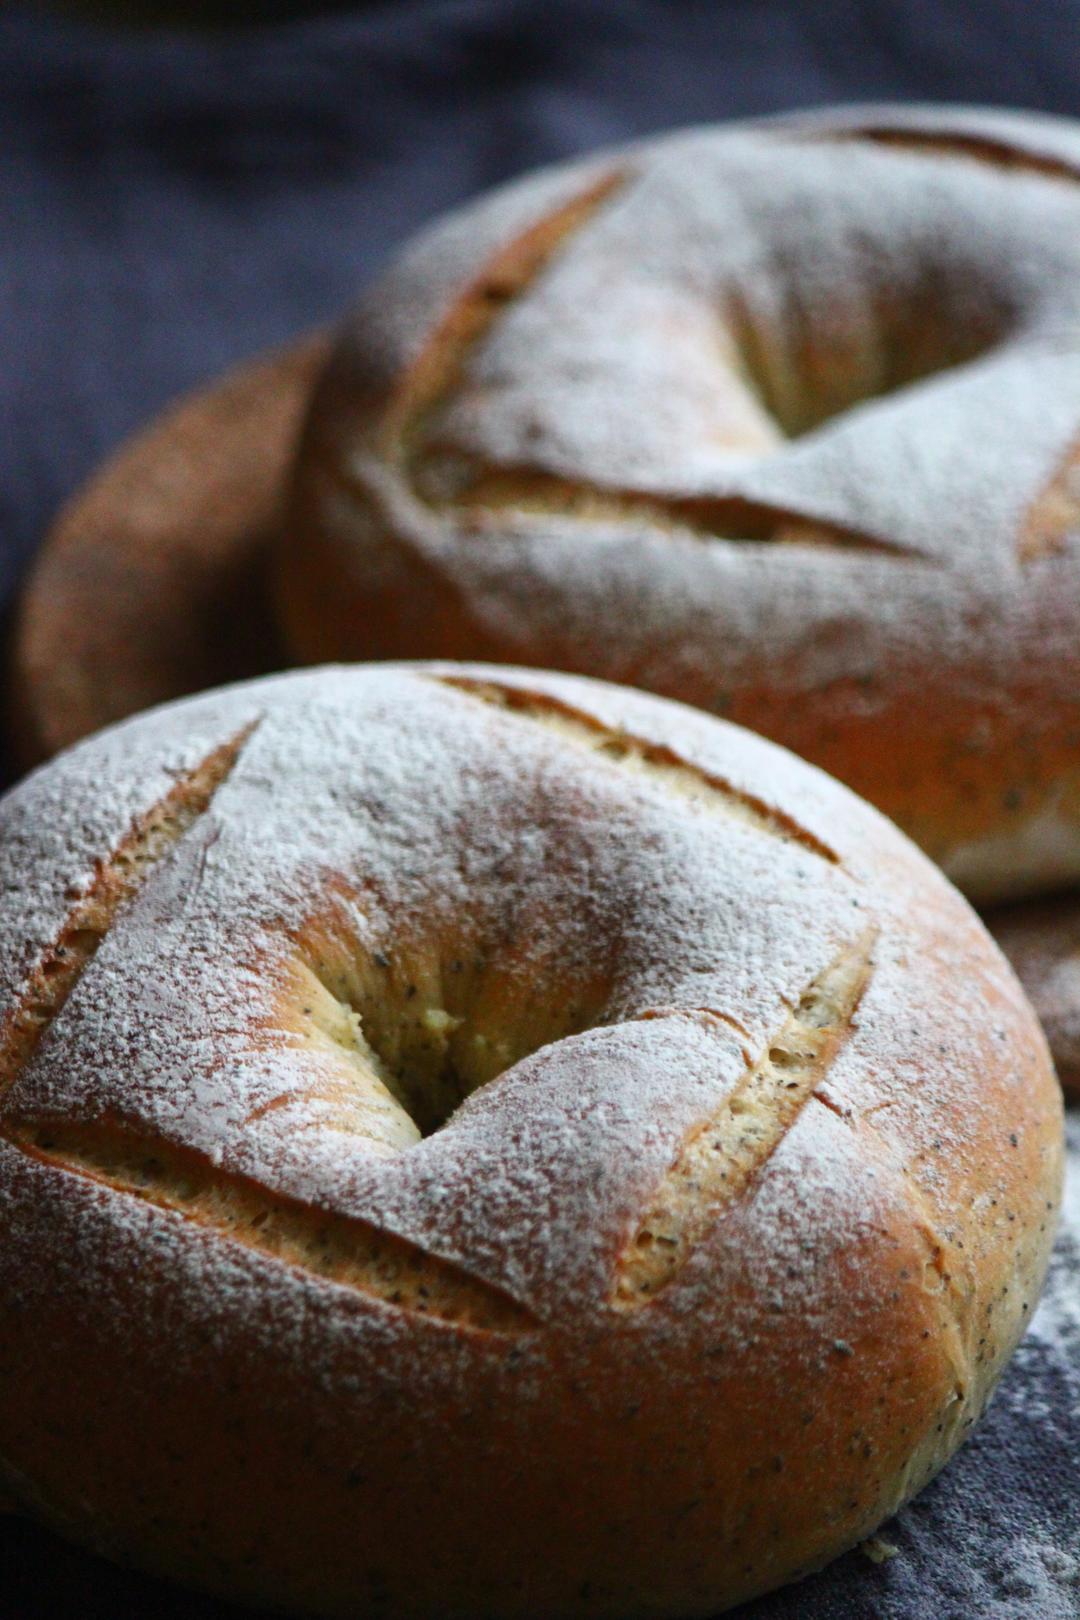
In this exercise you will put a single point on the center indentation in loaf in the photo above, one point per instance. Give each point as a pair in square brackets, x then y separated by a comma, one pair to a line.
[424, 1024]
[813, 349]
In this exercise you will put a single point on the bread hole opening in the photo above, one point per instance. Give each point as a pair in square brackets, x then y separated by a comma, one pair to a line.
[422, 1029]
[809, 359]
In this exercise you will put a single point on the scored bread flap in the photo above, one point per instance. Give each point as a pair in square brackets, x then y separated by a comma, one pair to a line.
[60, 831]
[202, 961]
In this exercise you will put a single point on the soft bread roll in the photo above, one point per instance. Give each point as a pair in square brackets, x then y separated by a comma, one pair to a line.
[484, 1142]
[781, 421]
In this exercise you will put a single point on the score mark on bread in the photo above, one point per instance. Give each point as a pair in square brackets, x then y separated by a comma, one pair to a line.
[721, 1157]
[479, 495]
[653, 762]
[119, 876]
[349, 1252]
[440, 364]
[978, 148]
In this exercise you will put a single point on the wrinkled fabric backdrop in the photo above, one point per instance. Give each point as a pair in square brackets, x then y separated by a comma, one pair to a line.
[171, 203]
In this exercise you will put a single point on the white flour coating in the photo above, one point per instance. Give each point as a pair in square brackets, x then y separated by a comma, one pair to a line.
[756, 330]
[49, 850]
[893, 1237]
[421, 808]
[598, 371]
[1041, 1579]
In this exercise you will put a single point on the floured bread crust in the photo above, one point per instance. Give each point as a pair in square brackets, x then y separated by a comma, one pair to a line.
[482, 1142]
[783, 421]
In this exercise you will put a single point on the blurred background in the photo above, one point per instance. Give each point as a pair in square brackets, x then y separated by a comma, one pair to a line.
[177, 197]
[185, 185]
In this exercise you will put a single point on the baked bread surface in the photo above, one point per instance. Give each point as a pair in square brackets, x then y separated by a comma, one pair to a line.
[476, 1142]
[779, 420]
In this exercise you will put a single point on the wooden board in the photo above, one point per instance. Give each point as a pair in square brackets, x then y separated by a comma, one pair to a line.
[150, 584]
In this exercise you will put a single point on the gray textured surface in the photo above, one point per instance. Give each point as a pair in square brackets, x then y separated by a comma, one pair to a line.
[171, 204]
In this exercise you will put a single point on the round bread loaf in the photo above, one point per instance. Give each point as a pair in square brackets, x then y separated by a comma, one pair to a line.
[482, 1142]
[779, 420]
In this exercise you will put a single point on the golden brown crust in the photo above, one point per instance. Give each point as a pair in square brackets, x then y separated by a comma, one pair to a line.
[780, 423]
[748, 1199]
[150, 583]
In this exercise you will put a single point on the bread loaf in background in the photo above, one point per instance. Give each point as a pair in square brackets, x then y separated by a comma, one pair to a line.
[780, 420]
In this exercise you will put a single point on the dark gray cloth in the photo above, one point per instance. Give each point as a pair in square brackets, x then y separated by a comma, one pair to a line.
[173, 203]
